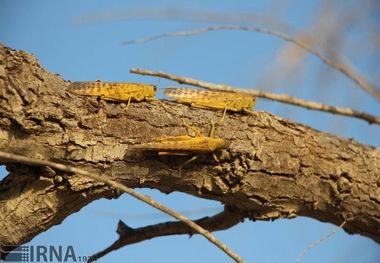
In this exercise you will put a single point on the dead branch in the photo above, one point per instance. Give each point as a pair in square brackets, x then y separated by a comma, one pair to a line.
[299, 257]
[338, 65]
[184, 14]
[263, 94]
[127, 235]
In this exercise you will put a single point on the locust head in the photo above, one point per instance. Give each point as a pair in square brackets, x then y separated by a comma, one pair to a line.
[247, 102]
[217, 143]
[151, 91]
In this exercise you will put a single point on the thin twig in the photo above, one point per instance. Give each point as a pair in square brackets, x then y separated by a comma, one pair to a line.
[36, 162]
[262, 94]
[298, 259]
[338, 65]
[128, 235]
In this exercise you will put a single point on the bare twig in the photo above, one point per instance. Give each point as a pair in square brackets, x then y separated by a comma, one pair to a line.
[262, 94]
[36, 162]
[298, 259]
[128, 235]
[338, 65]
[182, 14]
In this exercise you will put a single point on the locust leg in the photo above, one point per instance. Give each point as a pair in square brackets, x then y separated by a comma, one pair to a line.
[208, 108]
[129, 103]
[216, 158]
[194, 158]
[247, 111]
[194, 105]
[212, 130]
[163, 153]
[224, 114]
[163, 106]
[197, 132]
[106, 98]
[188, 161]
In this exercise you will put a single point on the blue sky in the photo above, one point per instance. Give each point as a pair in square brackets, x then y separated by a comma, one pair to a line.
[58, 34]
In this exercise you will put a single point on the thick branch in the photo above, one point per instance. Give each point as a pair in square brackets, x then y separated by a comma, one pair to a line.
[273, 167]
[6, 157]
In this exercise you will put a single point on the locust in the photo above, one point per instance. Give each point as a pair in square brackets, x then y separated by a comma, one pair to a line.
[115, 91]
[218, 100]
[185, 145]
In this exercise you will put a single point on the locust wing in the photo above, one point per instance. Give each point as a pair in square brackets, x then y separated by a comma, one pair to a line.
[118, 91]
[211, 99]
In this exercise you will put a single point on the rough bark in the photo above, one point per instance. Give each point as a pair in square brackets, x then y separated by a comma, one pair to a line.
[273, 167]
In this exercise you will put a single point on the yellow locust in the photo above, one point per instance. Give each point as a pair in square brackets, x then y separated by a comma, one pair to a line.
[212, 99]
[185, 144]
[115, 91]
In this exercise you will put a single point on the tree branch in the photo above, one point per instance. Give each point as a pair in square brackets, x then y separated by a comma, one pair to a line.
[127, 235]
[338, 65]
[262, 94]
[273, 167]
[144, 198]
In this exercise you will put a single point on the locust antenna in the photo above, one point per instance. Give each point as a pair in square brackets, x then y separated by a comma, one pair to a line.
[158, 81]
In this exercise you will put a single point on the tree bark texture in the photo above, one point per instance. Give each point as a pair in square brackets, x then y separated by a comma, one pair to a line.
[273, 168]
